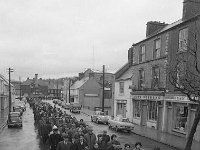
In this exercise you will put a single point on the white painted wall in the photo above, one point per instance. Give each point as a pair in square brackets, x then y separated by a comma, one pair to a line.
[125, 96]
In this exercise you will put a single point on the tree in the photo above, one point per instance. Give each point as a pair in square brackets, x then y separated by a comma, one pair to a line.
[184, 75]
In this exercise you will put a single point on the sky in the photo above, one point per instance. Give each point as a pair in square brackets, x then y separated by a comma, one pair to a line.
[60, 38]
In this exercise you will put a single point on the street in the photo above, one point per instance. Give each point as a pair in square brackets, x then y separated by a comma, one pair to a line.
[27, 137]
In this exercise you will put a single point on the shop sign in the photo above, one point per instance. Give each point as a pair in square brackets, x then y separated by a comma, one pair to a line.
[147, 97]
[178, 98]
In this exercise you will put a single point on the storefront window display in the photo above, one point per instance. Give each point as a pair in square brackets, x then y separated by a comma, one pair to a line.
[181, 118]
[152, 110]
[137, 109]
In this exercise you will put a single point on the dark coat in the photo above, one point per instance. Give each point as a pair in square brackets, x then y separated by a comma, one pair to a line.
[62, 146]
[54, 139]
[90, 139]
[81, 146]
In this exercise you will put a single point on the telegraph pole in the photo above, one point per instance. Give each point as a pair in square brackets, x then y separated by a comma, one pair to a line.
[57, 89]
[10, 101]
[69, 89]
[20, 89]
[103, 88]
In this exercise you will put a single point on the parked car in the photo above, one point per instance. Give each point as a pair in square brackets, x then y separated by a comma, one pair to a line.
[14, 119]
[100, 117]
[18, 109]
[75, 108]
[67, 106]
[120, 123]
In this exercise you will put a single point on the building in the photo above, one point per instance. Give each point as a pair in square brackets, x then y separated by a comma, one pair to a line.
[122, 96]
[88, 91]
[4, 93]
[155, 102]
[34, 87]
[54, 89]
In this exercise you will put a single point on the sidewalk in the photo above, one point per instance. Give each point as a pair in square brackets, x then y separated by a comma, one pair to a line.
[3, 117]
[165, 138]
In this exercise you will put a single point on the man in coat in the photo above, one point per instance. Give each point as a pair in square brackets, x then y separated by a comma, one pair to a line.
[54, 138]
[81, 144]
[90, 138]
[65, 144]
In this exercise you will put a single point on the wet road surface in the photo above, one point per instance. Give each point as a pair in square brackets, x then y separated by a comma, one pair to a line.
[25, 138]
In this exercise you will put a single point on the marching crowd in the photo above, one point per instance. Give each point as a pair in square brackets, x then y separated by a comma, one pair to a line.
[64, 132]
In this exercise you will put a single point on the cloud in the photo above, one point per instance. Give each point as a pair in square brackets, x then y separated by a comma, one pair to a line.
[57, 37]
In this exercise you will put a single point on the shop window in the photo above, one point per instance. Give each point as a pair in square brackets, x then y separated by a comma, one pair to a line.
[181, 117]
[137, 109]
[152, 111]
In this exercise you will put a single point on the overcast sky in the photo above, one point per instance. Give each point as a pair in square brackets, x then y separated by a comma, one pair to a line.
[58, 38]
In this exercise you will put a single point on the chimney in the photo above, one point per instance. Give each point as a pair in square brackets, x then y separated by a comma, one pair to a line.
[130, 55]
[36, 80]
[190, 9]
[80, 75]
[153, 26]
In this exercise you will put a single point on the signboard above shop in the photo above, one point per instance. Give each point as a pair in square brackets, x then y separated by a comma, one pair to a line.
[147, 97]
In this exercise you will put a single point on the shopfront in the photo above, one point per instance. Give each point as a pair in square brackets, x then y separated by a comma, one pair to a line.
[180, 113]
[148, 110]
[121, 107]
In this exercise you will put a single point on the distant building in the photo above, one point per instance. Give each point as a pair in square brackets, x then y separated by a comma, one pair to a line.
[4, 93]
[34, 87]
[54, 89]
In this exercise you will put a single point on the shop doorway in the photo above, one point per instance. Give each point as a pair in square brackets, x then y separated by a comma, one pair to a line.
[121, 109]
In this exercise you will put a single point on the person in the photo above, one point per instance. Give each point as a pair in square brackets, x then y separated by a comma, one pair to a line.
[96, 146]
[127, 146]
[81, 144]
[114, 144]
[90, 138]
[105, 140]
[54, 138]
[138, 146]
[65, 144]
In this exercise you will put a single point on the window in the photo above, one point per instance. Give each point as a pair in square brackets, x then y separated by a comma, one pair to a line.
[141, 79]
[157, 49]
[121, 87]
[181, 117]
[155, 77]
[180, 73]
[137, 109]
[142, 54]
[152, 110]
[183, 39]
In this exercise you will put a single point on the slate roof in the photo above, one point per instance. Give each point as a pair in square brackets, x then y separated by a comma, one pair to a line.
[79, 83]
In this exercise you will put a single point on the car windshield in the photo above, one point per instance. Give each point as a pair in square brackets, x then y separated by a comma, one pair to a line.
[14, 118]
[125, 120]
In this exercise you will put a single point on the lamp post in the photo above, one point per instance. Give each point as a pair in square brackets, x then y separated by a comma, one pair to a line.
[103, 89]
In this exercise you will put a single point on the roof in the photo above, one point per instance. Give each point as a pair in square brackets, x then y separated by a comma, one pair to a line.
[127, 75]
[79, 83]
[121, 71]
[167, 27]
[31, 81]
[54, 86]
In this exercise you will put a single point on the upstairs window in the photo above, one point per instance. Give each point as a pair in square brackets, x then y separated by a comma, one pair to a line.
[155, 77]
[142, 54]
[121, 87]
[183, 39]
[156, 53]
[141, 79]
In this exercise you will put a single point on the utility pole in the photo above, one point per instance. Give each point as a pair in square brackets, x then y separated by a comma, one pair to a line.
[57, 89]
[69, 90]
[103, 88]
[10, 101]
[20, 88]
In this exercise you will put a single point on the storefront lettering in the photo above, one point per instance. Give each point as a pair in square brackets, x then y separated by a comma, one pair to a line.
[147, 97]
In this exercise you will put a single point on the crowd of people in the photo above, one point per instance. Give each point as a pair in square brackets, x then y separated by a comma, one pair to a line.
[64, 132]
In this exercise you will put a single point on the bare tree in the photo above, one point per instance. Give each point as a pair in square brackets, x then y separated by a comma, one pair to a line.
[184, 75]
